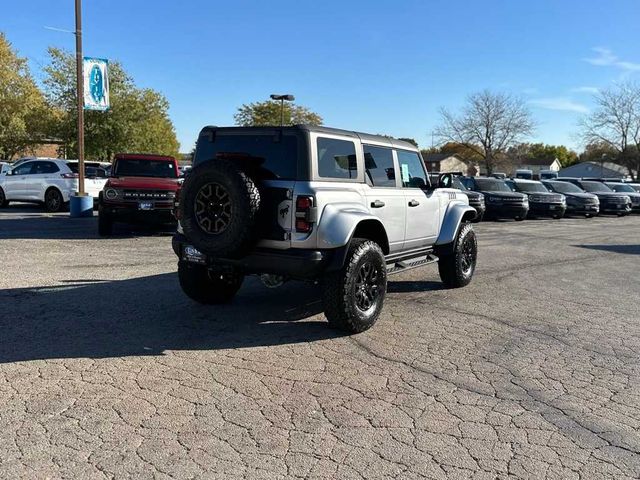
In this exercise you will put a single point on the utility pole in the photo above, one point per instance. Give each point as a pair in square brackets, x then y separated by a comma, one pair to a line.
[80, 95]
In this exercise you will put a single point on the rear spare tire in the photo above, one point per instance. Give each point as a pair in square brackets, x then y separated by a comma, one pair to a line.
[220, 205]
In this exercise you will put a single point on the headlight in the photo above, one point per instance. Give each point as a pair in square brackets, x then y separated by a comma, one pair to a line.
[111, 194]
[627, 198]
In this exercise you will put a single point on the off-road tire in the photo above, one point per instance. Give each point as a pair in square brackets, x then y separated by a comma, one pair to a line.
[3, 199]
[341, 295]
[239, 234]
[105, 223]
[53, 201]
[456, 268]
[206, 287]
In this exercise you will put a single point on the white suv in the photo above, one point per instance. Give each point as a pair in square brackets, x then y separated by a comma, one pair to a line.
[50, 182]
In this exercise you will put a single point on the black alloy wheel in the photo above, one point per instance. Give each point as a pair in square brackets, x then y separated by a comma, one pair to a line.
[368, 285]
[213, 208]
[53, 200]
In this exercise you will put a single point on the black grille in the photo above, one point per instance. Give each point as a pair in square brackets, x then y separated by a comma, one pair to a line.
[148, 195]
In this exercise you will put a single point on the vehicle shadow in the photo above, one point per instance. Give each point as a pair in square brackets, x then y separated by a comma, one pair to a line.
[624, 249]
[30, 222]
[148, 316]
[405, 286]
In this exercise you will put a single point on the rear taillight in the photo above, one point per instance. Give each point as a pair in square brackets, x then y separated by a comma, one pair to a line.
[304, 213]
[69, 175]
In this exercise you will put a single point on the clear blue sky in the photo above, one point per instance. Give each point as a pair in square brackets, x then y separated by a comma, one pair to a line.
[375, 66]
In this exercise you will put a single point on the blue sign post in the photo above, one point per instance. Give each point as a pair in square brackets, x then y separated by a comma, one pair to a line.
[96, 84]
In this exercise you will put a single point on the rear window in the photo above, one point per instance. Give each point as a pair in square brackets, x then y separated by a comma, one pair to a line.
[130, 167]
[277, 155]
[378, 162]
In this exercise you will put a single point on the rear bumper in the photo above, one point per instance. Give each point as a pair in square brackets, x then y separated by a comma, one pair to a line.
[294, 263]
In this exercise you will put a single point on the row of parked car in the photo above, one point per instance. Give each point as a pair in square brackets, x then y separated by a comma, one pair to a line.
[133, 189]
[520, 198]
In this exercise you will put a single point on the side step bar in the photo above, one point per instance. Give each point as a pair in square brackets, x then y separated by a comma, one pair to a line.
[408, 260]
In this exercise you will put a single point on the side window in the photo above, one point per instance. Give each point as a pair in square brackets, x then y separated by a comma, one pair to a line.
[378, 163]
[23, 169]
[45, 167]
[412, 171]
[336, 158]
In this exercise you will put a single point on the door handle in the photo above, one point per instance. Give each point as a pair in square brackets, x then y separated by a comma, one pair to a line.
[414, 203]
[377, 204]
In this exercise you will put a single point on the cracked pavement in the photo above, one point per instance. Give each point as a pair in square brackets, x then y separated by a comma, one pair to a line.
[108, 371]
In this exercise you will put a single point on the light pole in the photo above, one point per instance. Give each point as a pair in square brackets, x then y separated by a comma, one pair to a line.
[80, 95]
[282, 98]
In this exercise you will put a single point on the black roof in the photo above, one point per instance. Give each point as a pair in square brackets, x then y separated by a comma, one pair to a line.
[318, 129]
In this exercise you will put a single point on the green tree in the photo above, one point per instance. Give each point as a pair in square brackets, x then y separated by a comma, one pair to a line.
[268, 113]
[524, 152]
[412, 141]
[23, 111]
[138, 120]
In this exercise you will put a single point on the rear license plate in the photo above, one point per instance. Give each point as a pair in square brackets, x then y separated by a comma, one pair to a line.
[145, 205]
[190, 254]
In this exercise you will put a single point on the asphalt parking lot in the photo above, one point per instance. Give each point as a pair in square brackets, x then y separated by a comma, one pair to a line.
[107, 370]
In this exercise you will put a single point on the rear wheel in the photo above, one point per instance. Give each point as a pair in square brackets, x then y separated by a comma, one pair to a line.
[456, 269]
[353, 296]
[53, 201]
[3, 199]
[206, 286]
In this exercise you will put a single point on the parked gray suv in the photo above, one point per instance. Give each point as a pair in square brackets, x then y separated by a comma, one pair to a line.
[334, 207]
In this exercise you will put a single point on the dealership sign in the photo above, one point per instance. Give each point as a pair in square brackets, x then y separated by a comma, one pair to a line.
[96, 84]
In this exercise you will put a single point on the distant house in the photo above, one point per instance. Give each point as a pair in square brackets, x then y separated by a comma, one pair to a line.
[444, 162]
[537, 164]
[594, 169]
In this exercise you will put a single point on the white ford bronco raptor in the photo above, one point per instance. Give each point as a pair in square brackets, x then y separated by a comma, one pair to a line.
[338, 208]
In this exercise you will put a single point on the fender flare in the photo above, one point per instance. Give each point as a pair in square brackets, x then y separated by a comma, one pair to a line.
[456, 213]
[337, 225]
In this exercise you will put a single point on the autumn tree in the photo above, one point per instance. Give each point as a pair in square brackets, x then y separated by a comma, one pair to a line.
[268, 113]
[23, 112]
[524, 152]
[615, 122]
[137, 121]
[488, 125]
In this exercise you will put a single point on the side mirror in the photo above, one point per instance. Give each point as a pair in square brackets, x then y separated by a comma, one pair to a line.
[445, 180]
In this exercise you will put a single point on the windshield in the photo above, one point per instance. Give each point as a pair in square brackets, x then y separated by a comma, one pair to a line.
[530, 187]
[456, 183]
[492, 185]
[565, 187]
[620, 187]
[595, 187]
[130, 167]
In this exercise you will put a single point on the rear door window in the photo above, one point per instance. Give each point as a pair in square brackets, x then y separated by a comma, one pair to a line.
[412, 170]
[336, 158]
[378, 164]
[45, 167]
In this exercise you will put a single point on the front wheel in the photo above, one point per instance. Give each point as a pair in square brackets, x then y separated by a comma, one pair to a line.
[206, 286]
[353, 296]
[456, 268]
[105, 223]
[3, 199]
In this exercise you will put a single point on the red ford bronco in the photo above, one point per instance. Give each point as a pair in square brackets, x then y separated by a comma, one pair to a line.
[141, 188]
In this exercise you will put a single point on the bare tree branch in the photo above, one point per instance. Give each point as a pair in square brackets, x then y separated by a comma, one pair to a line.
[488, 125]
